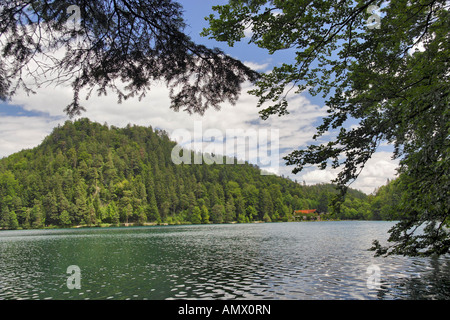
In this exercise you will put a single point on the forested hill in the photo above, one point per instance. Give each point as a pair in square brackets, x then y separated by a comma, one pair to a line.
[85, 173]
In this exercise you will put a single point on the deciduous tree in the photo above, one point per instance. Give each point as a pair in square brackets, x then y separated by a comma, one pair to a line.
[390, 77]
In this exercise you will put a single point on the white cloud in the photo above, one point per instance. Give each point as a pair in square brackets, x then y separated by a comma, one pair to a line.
[248, 32]
[256, 66]
[319, 176]
[18, 133]
[375, 173]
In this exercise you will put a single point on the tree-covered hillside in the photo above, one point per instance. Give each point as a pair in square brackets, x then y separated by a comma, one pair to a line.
[85, 173]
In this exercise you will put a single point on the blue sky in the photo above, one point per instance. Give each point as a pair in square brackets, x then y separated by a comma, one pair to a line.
[26, 120]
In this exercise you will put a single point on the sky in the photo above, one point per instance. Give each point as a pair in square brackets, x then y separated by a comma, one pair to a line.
[27, 119]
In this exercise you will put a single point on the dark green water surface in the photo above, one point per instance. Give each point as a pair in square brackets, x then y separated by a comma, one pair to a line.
[317, 260]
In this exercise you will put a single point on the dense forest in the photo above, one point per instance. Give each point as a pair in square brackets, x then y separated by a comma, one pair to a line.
[88, 174]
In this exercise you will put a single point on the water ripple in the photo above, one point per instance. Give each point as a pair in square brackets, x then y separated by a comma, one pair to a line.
[325, 260]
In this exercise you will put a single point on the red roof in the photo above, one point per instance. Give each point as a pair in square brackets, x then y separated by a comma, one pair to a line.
[305, 211]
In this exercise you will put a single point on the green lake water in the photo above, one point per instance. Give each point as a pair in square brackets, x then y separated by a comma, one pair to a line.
[297, 260]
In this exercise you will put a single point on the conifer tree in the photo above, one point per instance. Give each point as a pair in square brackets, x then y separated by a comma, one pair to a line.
[217, 213]
[4, 217]
[205, 214]
[196, 216]
[230, 211]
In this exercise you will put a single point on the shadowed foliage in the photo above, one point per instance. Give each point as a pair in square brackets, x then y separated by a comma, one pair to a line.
[117, 45]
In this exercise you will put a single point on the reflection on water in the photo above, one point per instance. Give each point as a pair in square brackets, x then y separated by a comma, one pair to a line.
[320, 260]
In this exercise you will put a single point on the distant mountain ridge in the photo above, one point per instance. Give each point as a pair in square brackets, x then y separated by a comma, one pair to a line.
[86, 173]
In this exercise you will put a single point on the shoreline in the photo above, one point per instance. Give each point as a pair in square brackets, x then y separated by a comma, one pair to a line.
[153, 224]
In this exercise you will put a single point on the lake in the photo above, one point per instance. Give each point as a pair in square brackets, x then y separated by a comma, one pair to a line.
[295, 260]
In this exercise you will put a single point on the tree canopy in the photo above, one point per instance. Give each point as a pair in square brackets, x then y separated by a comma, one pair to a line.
[122, 46]
[383, 65]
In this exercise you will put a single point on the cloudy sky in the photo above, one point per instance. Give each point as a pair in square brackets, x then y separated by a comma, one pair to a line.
[26, 120]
